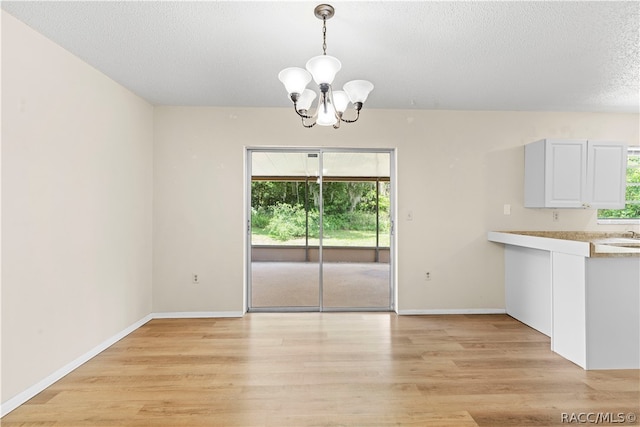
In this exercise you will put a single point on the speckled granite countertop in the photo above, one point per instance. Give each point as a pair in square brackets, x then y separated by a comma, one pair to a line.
[580, 236]
[589, 244]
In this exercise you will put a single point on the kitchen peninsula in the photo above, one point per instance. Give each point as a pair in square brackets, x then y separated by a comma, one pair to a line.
[581, 289]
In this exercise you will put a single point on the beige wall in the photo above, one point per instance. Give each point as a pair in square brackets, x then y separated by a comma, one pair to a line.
[76, 207]
[455, 172]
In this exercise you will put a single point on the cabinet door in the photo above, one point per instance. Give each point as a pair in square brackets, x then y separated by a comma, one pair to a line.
[606, 174]
[566, 173]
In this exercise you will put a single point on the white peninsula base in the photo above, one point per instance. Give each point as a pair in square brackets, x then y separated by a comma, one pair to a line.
[589, 306]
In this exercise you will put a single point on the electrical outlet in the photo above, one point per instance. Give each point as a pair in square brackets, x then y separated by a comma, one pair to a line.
[556, 216]
[427, 275]
[195, 278]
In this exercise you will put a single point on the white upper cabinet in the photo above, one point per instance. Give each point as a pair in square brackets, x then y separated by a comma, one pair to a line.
[575, 173]
[606, 174]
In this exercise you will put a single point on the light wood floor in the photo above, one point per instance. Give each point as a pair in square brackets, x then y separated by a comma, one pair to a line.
[330, 369]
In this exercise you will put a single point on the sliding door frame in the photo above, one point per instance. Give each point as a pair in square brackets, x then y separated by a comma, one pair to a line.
[247, 217]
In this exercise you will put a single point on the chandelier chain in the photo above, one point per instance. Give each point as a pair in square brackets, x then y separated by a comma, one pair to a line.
[324, 35]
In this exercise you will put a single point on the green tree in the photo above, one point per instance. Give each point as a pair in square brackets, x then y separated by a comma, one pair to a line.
[632, 208]
[279, 207]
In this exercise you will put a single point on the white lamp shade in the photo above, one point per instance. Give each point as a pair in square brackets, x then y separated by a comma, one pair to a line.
[327, 118]
[306, 98]
[340, 100]
[295, 79]
[323, 68]
[326, 113]
[358, 90]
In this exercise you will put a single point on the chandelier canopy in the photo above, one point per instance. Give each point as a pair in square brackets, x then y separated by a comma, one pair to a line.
[323, 68]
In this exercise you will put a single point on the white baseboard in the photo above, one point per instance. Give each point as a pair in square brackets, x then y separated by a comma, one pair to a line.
[196, 314]
[27, 394]
[453, 311]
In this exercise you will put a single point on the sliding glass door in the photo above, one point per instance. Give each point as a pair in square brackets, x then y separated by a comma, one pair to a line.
[284, 230]
[356, 233]
[319, 233]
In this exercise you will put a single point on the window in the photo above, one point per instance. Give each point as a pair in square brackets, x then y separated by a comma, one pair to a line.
[631, 211]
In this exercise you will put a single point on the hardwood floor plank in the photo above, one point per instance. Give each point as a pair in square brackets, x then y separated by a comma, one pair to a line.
[329, 369]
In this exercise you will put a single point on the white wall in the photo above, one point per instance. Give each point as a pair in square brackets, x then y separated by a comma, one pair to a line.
[456, 170]
[76, 207]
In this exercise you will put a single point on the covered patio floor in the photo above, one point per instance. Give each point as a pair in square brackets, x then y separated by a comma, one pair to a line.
[296, 284]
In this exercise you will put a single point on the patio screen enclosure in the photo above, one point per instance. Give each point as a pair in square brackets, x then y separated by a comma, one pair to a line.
[320, 230]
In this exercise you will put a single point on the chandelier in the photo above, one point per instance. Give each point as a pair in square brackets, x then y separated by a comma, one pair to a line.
[323, 68]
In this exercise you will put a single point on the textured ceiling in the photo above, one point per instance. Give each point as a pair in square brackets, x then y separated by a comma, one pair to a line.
[540, 56]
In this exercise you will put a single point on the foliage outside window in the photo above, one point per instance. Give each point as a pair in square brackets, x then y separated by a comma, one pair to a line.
[631, 209]
[287, 212]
